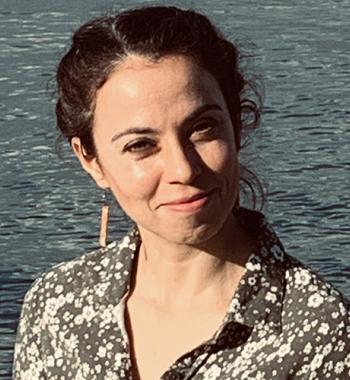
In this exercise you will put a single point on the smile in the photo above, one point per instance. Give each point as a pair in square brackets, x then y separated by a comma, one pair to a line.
[190, 204]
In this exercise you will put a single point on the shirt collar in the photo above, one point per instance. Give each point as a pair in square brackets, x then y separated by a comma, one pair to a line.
[120, 259]
[259, 296]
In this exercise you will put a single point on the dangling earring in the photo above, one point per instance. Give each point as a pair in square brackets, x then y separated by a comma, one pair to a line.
[104, 220]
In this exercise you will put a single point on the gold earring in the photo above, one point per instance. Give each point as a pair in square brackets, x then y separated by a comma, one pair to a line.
[104, 220]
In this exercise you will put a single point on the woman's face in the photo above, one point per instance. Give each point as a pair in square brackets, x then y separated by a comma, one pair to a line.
[166, 148]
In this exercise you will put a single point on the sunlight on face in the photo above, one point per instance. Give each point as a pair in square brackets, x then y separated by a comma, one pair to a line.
[166, 147]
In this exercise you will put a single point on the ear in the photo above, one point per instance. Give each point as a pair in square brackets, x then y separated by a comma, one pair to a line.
[90, 165]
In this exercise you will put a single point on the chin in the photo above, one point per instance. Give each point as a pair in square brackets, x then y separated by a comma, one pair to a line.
[191, 235]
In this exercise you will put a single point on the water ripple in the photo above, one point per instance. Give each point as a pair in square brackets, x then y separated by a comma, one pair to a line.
[49, 209]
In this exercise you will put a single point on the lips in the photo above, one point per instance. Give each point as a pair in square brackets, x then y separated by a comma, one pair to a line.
[187, 199]
[190, 204]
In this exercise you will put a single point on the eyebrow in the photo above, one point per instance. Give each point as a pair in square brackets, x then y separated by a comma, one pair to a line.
[148, 130]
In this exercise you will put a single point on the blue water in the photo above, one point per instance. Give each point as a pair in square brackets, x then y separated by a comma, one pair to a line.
[49, 208]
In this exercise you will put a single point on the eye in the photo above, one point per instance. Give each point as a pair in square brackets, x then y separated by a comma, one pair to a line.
[205, 128]
[139, 146]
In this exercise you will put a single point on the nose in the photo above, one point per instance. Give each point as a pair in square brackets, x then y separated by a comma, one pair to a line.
[182, 164]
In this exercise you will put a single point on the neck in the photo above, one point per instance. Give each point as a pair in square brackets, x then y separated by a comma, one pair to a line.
[178, 275]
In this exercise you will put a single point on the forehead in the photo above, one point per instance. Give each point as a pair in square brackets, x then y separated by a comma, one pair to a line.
[143, 87]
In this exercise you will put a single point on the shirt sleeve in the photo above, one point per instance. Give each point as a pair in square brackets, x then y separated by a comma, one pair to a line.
[28, 361]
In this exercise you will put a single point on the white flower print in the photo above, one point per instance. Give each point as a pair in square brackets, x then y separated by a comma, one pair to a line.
[61, 300]
[78, 303]
[51, 307]
[106, 317]
[339, 368]
[312, 288]
[347, 360]
[80, 375]
[101, 352]
[71, 343]
[259, 376]
[119, 357]
[75, 316]
[100, 289]
[79, 319]
[212, 373]
[50, 361]
[271, 357]
[342, 309]
[328, 366]
[327, 349]
[316, 362]
[88, 313]
[335, 315]
[271, 297]
[307, 348]
[340, 345]
[53, 328]
[251, 281]
[86, 369]
[302, 277]
[239, 318]
[253, 266]
[33, 372]
[105, 262]
[33, 349]
[234, 305]
[277, 252]
[111, 375]
[124, 243]
[284, 350]
[315, 300]
[249, 349]
[59, 289]
[58, 353]
[324, 328]
[69, 297]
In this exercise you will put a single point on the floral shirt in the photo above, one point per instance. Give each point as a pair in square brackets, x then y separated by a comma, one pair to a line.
[284, 321]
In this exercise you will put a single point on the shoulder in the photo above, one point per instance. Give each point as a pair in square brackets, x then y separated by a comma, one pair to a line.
[318, 318]
[316, 323]
[73, 274]
[86, 273]
[314, 320]
[311, 292]
[314, 309]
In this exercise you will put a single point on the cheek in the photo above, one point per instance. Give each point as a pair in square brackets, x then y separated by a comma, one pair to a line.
[132, 181]
[222, 157]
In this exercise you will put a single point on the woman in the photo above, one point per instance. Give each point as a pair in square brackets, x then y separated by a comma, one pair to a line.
[152, 103]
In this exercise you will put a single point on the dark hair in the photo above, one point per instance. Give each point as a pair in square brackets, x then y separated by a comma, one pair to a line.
[101, 44]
